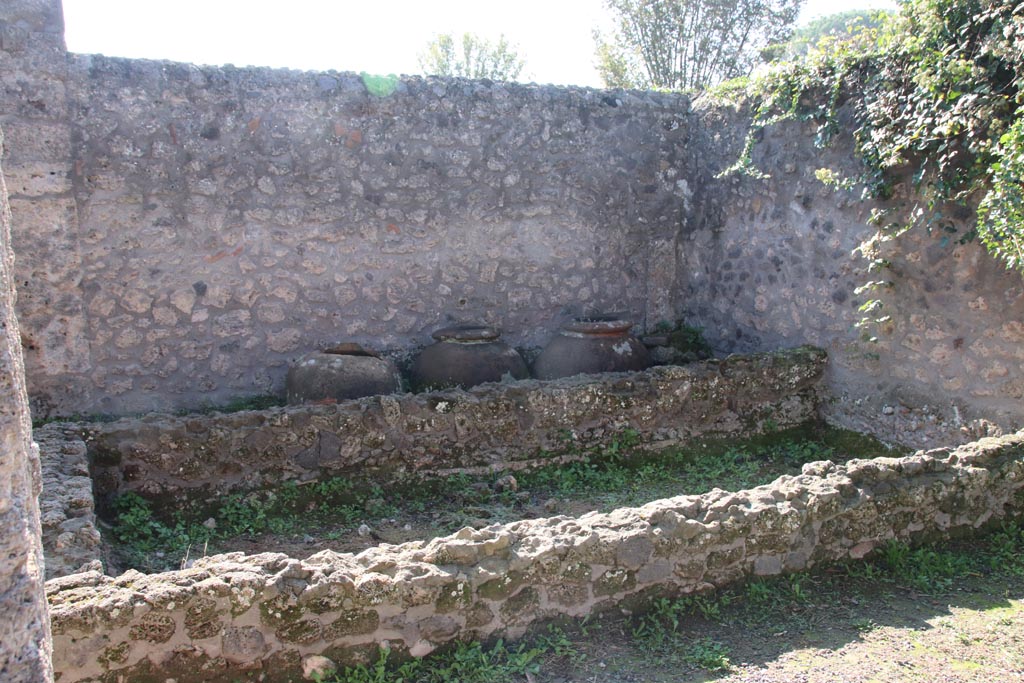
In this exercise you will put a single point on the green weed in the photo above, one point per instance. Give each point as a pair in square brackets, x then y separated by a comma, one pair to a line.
[612, 474]
[663, 616]
[556, 643]
[1006, 552]
[708, 654]
[466, 663]
[689, 339]
[149, 543]
[377, 672]
[655, 628]
[864, 625]
[621, 473]
[760, 592]
[154, 542]
[928, 570]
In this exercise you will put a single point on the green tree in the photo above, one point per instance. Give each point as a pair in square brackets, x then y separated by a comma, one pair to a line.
[839, 26]
[471, 57]
[688, 44]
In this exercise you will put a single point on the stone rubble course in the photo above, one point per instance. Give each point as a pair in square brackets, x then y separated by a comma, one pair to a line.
[232, 617]
[71, 541]
[495, 426]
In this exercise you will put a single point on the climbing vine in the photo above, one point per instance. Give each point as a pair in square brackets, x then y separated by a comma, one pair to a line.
[936, 93]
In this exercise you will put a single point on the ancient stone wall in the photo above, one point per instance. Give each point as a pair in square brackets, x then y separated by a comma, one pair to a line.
[24, 627]
[187, 230]
[71, 540]
[776, 266]
[230, 219]
[232, 617]
[38, 165]
[487, 428]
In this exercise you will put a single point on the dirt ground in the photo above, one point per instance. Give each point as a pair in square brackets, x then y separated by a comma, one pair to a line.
[482, 503]
[402, 528]
[849, 631]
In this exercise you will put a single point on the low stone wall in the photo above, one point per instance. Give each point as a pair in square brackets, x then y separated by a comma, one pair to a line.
[71, 541]
[233, 617]
[493, 426]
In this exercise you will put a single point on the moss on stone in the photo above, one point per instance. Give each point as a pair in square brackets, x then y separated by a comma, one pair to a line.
[202, 619]
[614, 581]
[366, 653]
[576, 572]
[351, 624]
[153, 628]
[521, 606]
[479, 615]
[302, 632]
[453, 596]
[500, 588]
[278, 611]
[114, 654]
[718, 559]
[569, 595]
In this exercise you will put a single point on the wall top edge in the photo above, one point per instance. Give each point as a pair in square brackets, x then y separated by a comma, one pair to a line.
[98, 66]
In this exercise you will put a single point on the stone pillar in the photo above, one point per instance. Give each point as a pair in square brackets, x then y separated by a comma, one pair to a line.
[25, 644]
[39, 170]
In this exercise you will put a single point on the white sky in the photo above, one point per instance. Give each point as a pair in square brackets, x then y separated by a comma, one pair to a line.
[379, 36]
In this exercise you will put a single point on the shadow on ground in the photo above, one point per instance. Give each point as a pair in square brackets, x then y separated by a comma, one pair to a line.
[834, 628]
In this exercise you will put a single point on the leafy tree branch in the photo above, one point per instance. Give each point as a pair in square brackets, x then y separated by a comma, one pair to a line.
[471, 57]
[937, 95]
[689, 44]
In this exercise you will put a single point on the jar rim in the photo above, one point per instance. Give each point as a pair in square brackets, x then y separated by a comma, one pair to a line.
[459, 333]
[350, 349]
[598, 325]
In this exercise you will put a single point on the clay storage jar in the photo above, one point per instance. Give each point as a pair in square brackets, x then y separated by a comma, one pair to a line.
[464, 356]
[339, 373]
[590, 345]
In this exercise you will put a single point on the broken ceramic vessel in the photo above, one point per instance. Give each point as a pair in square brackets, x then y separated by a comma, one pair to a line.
[340, 373]
[464, 356]
[591, 345]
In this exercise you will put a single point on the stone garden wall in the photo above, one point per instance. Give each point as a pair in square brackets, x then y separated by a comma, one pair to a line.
[777, 266]
[487, 428]
[39, 165]
[232, 617]
[185, 231]
[230, 219]
[24, 628]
